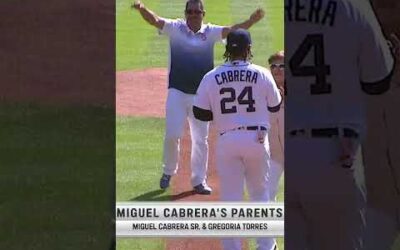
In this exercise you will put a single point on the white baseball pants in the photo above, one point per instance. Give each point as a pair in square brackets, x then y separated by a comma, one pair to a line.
[178, 109]
[325, 205]
[242, 160]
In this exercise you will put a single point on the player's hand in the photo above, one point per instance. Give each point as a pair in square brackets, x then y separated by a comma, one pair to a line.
[349, 148]
[395, 43]
[257, 15]
[137, 5]
[281, 91]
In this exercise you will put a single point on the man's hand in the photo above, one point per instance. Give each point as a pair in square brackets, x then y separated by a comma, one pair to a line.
[349, 148]
[137, 5]
[395, 45]
[281, 91]
[148, 15]
[257, 15]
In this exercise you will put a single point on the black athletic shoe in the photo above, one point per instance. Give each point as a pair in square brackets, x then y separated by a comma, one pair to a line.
[202, 189]
[164, 181]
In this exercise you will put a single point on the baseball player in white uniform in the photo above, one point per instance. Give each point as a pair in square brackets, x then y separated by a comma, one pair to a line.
[237, 96]
[276, 134]
[191, 57]
[336, 56]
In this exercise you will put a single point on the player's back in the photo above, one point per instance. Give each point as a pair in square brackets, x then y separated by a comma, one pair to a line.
[334, 46]
[238, 94]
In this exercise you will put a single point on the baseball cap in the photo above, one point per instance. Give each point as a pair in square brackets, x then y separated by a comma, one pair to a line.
[239, 38]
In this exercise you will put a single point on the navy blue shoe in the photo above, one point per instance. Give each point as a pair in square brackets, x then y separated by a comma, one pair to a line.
[164, 181]
[202, 189]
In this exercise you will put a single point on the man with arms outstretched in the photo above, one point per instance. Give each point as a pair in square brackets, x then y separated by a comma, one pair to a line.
[191, 57]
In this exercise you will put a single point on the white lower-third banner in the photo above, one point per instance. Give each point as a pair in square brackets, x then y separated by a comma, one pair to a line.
[216, 228]
[205, 219]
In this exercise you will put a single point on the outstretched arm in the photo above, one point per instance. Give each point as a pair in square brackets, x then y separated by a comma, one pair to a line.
[148, 15]
[254, 18]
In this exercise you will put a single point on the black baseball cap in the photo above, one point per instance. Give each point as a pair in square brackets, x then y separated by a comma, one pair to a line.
[239, 38]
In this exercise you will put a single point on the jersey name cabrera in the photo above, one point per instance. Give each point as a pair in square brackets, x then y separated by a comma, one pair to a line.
[238, 94]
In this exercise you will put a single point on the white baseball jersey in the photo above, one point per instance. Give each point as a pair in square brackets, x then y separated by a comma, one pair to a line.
[336, 54]
[239, 94]
[335, 45]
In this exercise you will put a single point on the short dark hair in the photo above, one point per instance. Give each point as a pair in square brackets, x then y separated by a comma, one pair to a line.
[195, 1]
[231, 53]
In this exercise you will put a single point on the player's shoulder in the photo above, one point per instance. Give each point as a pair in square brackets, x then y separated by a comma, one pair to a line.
[262, 70]
[257, 67]
[353, 5]
[359, 11]
[357, 5]
[211, 74]
[264, 73]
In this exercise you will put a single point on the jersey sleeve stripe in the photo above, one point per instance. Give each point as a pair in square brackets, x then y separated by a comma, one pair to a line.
[202, 114]
[378, 87]
[275, 108]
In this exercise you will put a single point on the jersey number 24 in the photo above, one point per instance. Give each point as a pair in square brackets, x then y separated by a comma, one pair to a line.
[245, 98]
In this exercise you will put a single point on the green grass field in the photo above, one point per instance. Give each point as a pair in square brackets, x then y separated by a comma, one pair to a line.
[139, 140]
[55, 178]
[139, 45]
[139, 152]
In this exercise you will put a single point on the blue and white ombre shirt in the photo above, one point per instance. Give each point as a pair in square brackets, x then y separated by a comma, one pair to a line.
[191, 54]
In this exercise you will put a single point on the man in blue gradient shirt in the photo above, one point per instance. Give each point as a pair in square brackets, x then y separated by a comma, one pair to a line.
[191, 57]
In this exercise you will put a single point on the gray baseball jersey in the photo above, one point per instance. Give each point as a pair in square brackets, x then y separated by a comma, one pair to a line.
[336, 54]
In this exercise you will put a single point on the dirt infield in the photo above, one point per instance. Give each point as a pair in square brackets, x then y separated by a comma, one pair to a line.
[143, 93]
